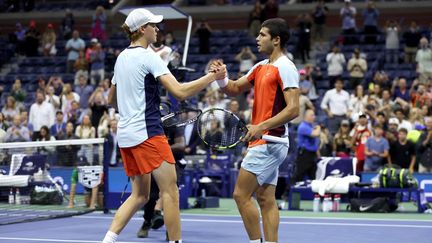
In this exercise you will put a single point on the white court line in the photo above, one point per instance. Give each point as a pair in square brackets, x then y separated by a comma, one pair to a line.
[283, 217]
[59, 240]
[291, 223]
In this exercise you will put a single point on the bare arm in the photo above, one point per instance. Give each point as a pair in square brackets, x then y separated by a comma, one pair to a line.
[112, 97]
[237, 87]
[179, 144]
[182, 91]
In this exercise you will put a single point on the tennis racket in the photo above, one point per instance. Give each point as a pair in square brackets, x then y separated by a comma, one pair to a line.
[221, 129]
[183, 117]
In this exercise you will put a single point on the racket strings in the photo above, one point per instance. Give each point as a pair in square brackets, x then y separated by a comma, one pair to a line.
[180, 118]
[219, 128]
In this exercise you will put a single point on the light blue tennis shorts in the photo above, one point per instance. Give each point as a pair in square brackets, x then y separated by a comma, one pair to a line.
[264, 161]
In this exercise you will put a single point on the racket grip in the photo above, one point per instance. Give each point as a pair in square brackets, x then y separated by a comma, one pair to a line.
[274, 139]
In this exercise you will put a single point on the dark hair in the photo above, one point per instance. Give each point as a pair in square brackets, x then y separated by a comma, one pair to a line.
[133, 36]
[47, 135]
[278, 27]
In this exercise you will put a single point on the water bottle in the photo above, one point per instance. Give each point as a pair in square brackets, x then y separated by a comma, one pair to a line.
[336, 203]
[11, 197]
[17, 197]
[326, 206]
[316, 203]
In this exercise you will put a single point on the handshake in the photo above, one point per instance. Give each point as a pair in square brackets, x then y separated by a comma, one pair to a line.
[218, 68]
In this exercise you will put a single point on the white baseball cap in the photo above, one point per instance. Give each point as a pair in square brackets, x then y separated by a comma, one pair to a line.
[393, 120]
[141, 16]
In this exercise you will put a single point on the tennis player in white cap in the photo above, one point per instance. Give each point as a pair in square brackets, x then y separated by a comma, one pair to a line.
[138, 73]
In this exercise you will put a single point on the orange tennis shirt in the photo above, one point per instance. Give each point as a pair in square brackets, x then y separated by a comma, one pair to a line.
[269, 81]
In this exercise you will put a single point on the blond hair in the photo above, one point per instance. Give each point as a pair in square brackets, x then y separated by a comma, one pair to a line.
[133, 36]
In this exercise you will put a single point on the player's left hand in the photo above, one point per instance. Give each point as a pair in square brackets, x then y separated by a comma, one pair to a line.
[254, 132]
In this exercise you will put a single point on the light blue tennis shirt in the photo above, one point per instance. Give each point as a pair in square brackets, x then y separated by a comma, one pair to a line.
[135, 75]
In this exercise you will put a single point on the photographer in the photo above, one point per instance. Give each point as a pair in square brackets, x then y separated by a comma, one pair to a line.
[247, 59]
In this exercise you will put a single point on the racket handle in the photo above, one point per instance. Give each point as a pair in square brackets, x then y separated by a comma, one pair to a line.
[274, 139]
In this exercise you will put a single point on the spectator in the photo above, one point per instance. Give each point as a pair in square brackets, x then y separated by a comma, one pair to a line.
[68, 152]
[314, 74]
[203, 31]
[73, 47]
[84, 91]
[18, 93]
[254, 23]
[32, 40]
[392, 42]
[44, 135]
[308, 142]
[370, 22]
[400, 90]
[68, 24]
[386, 104]
[48, 41]
[90, 49]
[17, 133]
[376, 150]
[19, 38]
[381, 78]
[58, 129]
[402, 151]
[67, 97]
[75, 114]
[424, 61]
[357, 67]
[359, 134]
[319, 18]
[98, 106]
[99, 24]
[342, 141]
[335, 62]
[403, 123]
[10, 110]
[392, 132]
[97, 66]
[336, 104]
[270, 10]
[51, 98]
[357, 102]
[81, 67]
[41, 114]
[348, 14]
[114, 151]
[420, 97]
[325, 142]
[25, 122]
[416, 117]
[86, 131]
[304, 84]
[412, 39]
[424, 148]
[57, 84]
[247, 59]
[304, 25]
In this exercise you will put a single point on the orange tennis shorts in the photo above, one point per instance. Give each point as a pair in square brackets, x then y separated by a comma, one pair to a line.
[146, 156]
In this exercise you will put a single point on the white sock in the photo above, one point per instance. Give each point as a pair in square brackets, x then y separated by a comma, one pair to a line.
[110, 237]
[256, 241]
[176, 241]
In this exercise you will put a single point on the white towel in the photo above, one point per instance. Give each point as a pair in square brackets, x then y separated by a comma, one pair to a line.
[333, 184]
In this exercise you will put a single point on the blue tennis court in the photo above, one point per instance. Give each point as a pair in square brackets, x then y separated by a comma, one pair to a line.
[215, 229]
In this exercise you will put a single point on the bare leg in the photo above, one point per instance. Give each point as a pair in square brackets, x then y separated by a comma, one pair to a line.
[269, 211]
[72, 195]
[166, 179]
[139, 196]
[93, 198]
[246, 185]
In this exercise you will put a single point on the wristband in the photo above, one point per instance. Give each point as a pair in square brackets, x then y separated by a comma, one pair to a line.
[222, 82]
